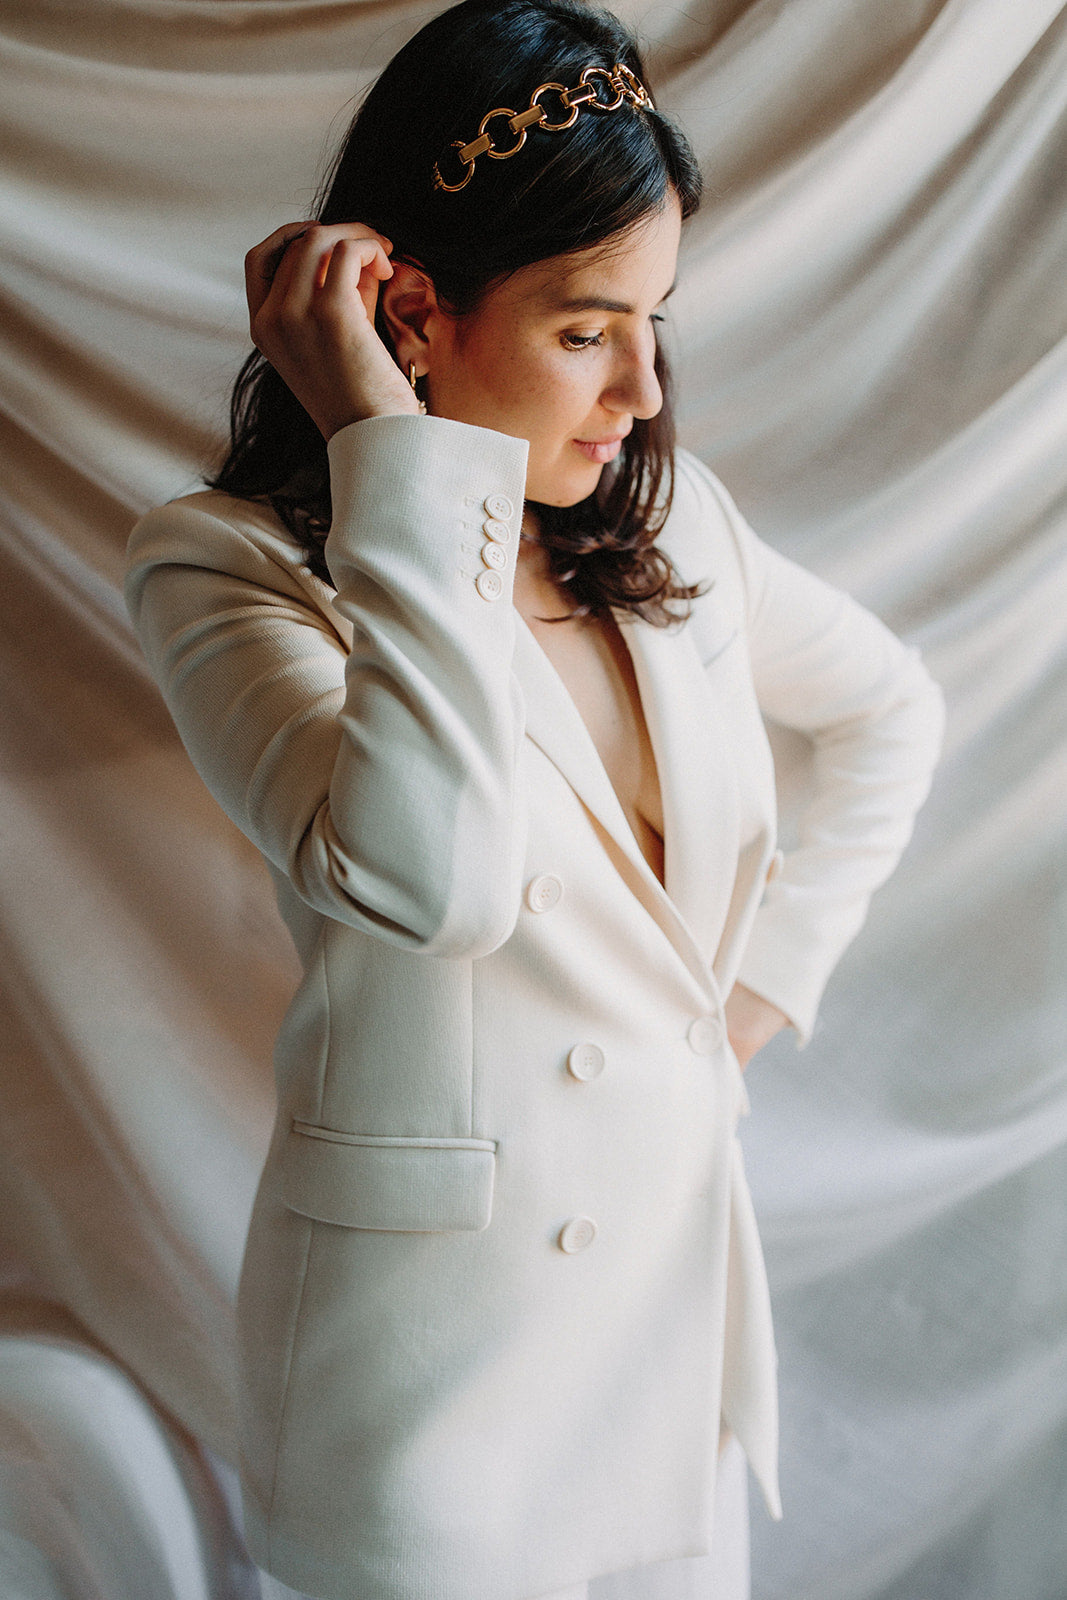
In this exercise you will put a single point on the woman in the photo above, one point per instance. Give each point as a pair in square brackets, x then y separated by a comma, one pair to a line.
[485, 686]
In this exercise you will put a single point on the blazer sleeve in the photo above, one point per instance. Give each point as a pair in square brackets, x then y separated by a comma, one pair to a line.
[826, 667]
[381, 783]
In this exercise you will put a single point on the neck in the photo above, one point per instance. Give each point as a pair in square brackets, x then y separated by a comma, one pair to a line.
[538, 596]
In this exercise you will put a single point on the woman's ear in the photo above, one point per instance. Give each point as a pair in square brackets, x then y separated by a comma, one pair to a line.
[409, 306]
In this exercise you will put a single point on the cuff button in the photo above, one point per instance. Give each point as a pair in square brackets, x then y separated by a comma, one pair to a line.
[490, 585]
[494, 555]
[498, 505]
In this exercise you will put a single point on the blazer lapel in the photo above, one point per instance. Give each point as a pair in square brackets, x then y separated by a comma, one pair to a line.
[697, 775]
[555, 725]
[696, 780]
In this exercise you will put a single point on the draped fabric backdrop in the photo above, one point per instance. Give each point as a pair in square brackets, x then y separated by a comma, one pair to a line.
[871, 333]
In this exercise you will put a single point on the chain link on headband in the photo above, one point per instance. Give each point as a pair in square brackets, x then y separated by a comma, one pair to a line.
[626, 87]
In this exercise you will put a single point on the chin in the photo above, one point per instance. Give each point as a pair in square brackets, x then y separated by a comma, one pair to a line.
[567, 493]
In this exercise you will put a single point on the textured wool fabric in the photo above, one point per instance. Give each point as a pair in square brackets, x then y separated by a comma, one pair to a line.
[723, 1574]
[871, 324]
[468, 901]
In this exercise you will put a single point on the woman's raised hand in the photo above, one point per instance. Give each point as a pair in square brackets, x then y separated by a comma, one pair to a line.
[312, 292]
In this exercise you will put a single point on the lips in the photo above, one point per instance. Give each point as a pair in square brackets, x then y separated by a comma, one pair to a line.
[600, 451]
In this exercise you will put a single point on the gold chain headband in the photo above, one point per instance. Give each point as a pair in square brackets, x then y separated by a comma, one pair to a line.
[626, 86]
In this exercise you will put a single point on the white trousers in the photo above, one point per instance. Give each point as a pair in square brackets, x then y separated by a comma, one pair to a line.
[723, 1574]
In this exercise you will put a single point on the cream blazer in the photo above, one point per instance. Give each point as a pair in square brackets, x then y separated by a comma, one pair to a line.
[503, 1279]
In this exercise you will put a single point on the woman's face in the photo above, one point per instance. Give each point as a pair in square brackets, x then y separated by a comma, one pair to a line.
[561, 353]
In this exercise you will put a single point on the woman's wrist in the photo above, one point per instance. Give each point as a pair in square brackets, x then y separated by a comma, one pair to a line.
[751, 1022]
[329, 423]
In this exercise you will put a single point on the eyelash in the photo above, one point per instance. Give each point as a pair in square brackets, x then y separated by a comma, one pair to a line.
[576, 342]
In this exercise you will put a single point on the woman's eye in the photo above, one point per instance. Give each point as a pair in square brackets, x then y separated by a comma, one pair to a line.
[580, 341]
[657, 316]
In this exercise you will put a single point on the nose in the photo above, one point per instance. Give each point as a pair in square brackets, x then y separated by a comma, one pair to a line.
[634, 386]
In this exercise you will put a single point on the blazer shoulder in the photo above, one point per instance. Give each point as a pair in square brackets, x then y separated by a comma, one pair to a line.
[218, 532]
[705, 538]
[207, 522]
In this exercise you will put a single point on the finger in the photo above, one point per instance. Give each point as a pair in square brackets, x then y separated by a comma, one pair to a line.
[364, 254]
[371, 256]
[294, 254]
[263, 260]
[358, 230]
[300, 270]
[267, 255]
[288, 296]
[286, 274]
[305, 265]
[377, 271]
[355, 268]
[274, 245]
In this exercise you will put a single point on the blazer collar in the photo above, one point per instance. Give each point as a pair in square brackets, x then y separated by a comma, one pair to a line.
[696, 774]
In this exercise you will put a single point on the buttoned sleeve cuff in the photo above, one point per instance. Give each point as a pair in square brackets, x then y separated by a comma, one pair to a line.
[395, 479]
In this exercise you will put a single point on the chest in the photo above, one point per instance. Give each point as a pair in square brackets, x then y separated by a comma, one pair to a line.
[594, 664]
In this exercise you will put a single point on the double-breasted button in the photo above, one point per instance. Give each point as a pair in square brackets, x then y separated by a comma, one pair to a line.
[544, 892]
[494, 555]
[493, 528]
[705, 1035]
[577, 1234]
[499, 506]
[585, 1061]
[489, 584]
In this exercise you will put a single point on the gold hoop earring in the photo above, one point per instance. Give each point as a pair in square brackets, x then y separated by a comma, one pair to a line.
[415, 392]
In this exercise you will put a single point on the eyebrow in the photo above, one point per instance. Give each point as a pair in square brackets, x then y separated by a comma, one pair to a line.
[592, 302]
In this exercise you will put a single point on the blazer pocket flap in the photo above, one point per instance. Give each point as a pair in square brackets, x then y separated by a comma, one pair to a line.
[407, 1185]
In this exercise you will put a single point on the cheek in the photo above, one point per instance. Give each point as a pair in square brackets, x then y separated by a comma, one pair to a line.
[514, 374]
[557, 395]
[540, 393]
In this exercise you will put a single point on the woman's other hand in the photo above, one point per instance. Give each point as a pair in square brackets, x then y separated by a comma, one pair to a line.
[312, 293]
[751, 1022]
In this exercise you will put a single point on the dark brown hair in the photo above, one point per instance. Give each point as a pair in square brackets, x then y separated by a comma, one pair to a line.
[563, 193]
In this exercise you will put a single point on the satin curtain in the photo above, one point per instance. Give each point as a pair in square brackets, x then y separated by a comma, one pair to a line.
[870, 326]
